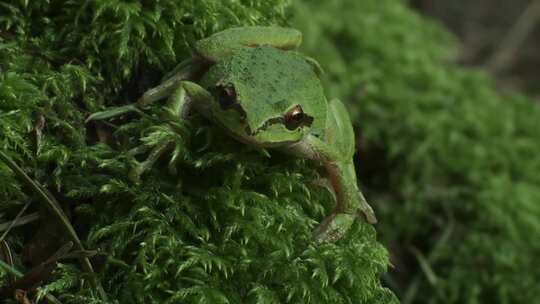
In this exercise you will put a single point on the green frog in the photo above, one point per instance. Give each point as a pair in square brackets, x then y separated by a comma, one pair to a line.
[251, 82]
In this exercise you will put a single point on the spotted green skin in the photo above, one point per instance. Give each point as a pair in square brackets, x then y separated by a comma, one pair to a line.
[268, 83]
[269, 79]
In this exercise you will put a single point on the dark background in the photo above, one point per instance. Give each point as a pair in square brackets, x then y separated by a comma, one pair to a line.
[498, 35]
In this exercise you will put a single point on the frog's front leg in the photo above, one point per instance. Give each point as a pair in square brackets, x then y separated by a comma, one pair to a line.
[185, 95]
[335, 152]
[187, 69]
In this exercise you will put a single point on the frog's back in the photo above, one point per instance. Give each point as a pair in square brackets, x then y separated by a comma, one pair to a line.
[270, 81]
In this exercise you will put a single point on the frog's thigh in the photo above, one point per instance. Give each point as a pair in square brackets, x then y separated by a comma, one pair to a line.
[186, 95]
[339, 131]
[226, 42]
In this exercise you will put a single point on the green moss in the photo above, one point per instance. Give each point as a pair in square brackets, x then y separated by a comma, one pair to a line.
[212, 221]
[449, 163]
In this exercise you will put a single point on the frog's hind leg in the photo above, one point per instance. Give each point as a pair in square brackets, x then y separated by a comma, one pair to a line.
[340, 135]
[350, 202]
[335, 151]
[225, 43]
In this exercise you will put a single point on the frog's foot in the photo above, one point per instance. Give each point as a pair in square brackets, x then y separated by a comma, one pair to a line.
[137, 171]
[333, 227]
[366, 210]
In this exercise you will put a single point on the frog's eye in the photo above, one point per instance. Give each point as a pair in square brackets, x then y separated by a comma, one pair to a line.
[296, 118]
[226, 96]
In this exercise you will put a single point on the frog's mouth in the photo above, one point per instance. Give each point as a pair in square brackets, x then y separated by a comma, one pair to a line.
[283, 120]
[292, 120]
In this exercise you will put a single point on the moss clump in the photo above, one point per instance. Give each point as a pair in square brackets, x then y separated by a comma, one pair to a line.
[212, 221]
[449, 163]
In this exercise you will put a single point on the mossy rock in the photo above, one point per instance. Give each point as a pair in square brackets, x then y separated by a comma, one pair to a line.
[212, 221]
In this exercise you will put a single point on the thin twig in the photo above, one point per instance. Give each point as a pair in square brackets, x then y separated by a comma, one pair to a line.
[37, 274]
[7, 255]
[52, 205]
[19, 274]
[12, 224]
[515, 37]
[23, 220]
[10, 269]
[410, 294]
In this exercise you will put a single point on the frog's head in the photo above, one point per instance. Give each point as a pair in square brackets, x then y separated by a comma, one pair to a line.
[266, 95]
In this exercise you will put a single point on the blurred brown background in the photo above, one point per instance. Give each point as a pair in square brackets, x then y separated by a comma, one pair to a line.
[502, 36]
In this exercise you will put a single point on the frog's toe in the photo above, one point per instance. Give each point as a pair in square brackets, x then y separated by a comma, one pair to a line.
[333, 227]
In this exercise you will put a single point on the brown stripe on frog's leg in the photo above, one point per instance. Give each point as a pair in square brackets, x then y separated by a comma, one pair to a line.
[335, 154]
[350, 199]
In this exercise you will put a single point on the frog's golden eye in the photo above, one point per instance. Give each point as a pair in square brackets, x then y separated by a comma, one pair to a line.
[226, 96]
[296, 118]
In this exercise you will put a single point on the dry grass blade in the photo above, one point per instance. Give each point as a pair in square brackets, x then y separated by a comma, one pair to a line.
[52, 205]
[12, 223]
[18, 274]
[6, 256]
[38, 274]
[514, 40]
[23, 220]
